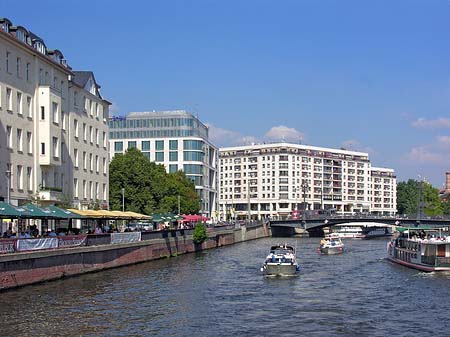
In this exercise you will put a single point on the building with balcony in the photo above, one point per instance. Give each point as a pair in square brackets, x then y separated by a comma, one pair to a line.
[53, 125]
[176, 139]
[258, 181]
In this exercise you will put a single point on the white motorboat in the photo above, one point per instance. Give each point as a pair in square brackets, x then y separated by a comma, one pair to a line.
[331, 245]
[281, 261]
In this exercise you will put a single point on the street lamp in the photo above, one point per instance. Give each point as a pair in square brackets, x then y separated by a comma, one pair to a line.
[304, 190]
[8, 183]
[123, 199]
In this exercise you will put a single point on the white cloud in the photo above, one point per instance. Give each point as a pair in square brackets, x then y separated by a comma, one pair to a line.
[113, 108]
[444, 141]
[354, 145]
[223, 137]
[284, 133]
[423, 154]
[423, 123]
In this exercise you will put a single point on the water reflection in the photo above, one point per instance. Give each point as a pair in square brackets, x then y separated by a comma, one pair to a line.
[222, 293]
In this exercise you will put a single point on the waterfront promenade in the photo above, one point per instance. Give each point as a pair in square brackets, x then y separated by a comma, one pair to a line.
[88, 253]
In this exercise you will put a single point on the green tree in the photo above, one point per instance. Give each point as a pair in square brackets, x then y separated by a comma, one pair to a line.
[408, 198]
[132, 172]
[148, 187]
[446, 206]
[179, 185]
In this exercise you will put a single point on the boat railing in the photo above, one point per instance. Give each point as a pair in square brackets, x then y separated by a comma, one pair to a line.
[437, 261]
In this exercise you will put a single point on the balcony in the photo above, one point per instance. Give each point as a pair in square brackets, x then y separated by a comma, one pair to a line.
[50, 194]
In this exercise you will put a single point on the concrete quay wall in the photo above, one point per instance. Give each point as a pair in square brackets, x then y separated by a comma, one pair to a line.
[20, 269]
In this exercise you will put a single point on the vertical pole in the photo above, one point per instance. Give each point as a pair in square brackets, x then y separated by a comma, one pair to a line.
[8, 183]
[123, 199]
[248, 201]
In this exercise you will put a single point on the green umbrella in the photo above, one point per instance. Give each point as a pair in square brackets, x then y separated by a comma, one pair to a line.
[64, 213]
[9, 211]
[39, 213]
[158, 218]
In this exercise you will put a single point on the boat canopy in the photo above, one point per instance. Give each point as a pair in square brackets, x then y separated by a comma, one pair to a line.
[419, 228]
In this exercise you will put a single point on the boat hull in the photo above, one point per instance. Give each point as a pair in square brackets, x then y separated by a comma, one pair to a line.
[420, 267]
[280, 269]
[332, 250]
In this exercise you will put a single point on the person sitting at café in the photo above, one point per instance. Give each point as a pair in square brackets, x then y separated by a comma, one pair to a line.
[52, 233]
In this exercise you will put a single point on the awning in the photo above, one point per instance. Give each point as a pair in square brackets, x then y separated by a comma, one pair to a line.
[8, 211]
[39, 213]
[64, 213]
[138, 216]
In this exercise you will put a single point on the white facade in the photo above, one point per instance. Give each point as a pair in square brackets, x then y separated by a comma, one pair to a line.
[175, 139]
[275, 179]
[37, 113]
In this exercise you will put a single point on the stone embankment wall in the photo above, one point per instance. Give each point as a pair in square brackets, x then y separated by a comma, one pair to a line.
[19, 269]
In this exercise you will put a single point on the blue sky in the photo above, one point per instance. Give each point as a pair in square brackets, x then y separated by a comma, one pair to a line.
[366, 75]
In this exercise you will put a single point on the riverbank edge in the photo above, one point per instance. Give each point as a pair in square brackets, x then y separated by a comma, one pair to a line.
[22, 269]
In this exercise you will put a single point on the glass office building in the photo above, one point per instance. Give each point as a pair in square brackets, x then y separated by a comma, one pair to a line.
[176, 139]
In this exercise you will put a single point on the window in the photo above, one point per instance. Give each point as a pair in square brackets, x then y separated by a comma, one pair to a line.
[104, 165]
[42, 113]
[193, 156]
[7, 61]
[9, 137]
[192, 169]
[75, 155]
[19, 177]
[104, 191]
[173, 144]
[192, 144]
[96, 136]
[147, 155]
[28, 72]
[97, 110]
[9, 99]
[91, 134]
[84, 160]
[75, 98]
[63, 120]
[29, 110]
[131, 144]
[55, 147]
[29, 178]
[104, 139]
[118, 146]
[91, 190]
[62, 151]
[84, 189]
[75, 126]
[84, 132]
[19, 103]
[173, 168]
[159, 156]
[145, 145]
[42, 148]
[18, 67]
[159, 145]
[29, 142]
[91, 162]
[55, 112]
[96, 164]
[173, 156]
[19, 140]
[75, 187]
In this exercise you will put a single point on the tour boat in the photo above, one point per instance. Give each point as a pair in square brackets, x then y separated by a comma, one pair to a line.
[281, 261]
[417, 248]
[331, 245]
[363, 232]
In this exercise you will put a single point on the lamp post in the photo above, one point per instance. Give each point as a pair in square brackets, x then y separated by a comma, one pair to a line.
[8, 183]
[304, 190]
[123, 199]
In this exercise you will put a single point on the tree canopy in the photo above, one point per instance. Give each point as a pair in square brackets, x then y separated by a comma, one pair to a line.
[148, 188]
[408, 198]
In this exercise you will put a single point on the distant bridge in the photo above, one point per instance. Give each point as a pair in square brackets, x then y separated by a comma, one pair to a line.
[315, 224]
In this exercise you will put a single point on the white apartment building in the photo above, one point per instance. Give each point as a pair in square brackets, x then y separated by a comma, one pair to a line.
[53, 125]
[265, 180]
[176, 139]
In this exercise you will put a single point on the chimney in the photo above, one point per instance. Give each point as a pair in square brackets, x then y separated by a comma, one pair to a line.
[447, 182]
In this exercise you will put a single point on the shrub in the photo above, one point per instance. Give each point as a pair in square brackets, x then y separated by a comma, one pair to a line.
[200, 233]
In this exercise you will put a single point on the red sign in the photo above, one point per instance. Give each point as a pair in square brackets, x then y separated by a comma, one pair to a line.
[7, 246]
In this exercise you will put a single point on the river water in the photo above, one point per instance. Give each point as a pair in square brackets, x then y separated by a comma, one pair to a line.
[222, 293]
